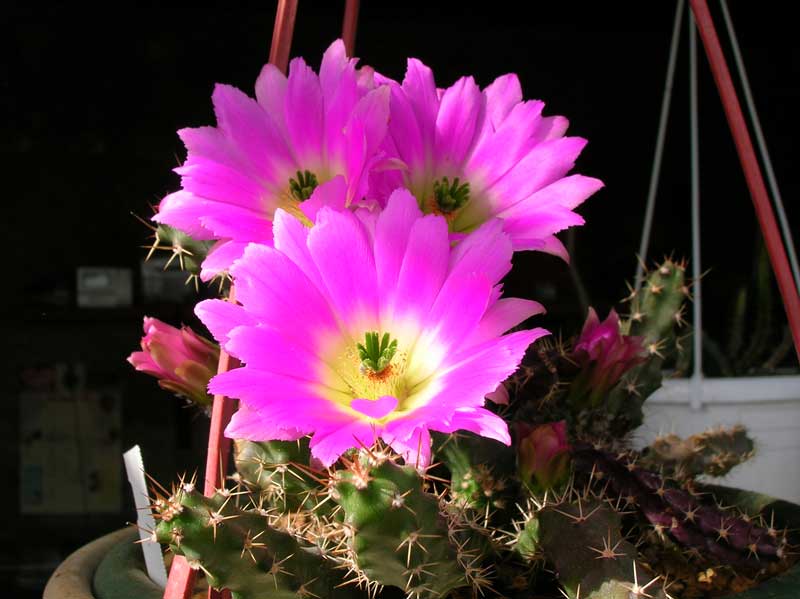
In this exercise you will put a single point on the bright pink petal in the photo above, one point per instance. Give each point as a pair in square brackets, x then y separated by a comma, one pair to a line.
[222, 317]
[270, 350]
[332, 193]
[375, 408]
[328, 446]
[291, 239]
[271, 95]
[499, 396]
[363, 134]
[544, 164]
[249, 424]
[184, 211]
[420, 90]
[276, 291]
[304, 112]
[502, 316]
[458, 121]
[566, 193]
[548, 245]
[486, 250]
[251, 129]
[415, 448]
[498, 152]
[479, 421]
[551, 127]
[474, 372]
[392, 231]
[343, 255]
[408, 134]
[501, 96]
[423, 270]
[220, 258]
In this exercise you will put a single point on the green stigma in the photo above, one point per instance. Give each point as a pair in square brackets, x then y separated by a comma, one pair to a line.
[303, 186]
[376, 353]
[449, 197]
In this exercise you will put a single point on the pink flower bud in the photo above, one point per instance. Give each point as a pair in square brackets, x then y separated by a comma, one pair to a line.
[605, 354]
[181, 360]
[542, 454]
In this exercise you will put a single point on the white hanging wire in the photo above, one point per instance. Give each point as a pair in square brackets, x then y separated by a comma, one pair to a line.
[655, 173]
[696, 396]
[762, 145]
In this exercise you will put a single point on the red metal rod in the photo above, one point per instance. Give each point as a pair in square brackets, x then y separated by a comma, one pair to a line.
[219, 446]
[349, 25]
[751, 167]
[282, 33]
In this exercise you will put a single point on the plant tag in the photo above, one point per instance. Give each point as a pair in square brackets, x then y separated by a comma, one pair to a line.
[152, 551]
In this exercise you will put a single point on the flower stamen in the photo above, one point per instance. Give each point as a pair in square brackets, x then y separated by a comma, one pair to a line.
[448, 196]
[303, 185]
[376, 352]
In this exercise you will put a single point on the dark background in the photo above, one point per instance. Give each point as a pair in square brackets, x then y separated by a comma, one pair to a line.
[92, 99]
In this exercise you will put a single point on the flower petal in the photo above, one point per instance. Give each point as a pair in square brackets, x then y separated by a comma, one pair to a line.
[459, 119]
[340, 248]
[304, 112]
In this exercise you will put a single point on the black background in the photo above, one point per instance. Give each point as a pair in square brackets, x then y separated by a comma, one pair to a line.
[92, 97]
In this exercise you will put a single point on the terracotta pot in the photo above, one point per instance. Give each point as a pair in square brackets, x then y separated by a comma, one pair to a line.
[111, 567]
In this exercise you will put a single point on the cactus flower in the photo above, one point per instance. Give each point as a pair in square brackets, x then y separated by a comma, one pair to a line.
[299, 136]
[604, 354]
[542, 454]
[472, 155]
[181, 360]
[368, 326]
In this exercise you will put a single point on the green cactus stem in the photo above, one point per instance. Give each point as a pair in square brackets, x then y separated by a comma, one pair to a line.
[708, 533]
[278, 475]
[713, 452]
[582, 539]
[242, 551]
[400, 535]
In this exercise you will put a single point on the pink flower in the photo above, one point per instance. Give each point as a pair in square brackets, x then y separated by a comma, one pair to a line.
[181, 360]
[369, 325]
[605, 354]
[281, 150]
[543, 453]
[473, 155]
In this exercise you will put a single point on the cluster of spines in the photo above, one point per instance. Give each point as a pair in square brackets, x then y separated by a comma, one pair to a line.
[243, 550]
[278, 476]
[183, 249]
[678, 513]
[404, 536]
[578, 533]
[656, 315]
[713, 452]
[482, 473]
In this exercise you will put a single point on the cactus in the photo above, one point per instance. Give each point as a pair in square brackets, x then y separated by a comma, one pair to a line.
[676, 511]
[400, 535]
[242, 550]
[713, 452]
[276, 472]
[656, 311]
[371, 525]
[755, 344]
[481, 472]
[188, 252]
[583, 541]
